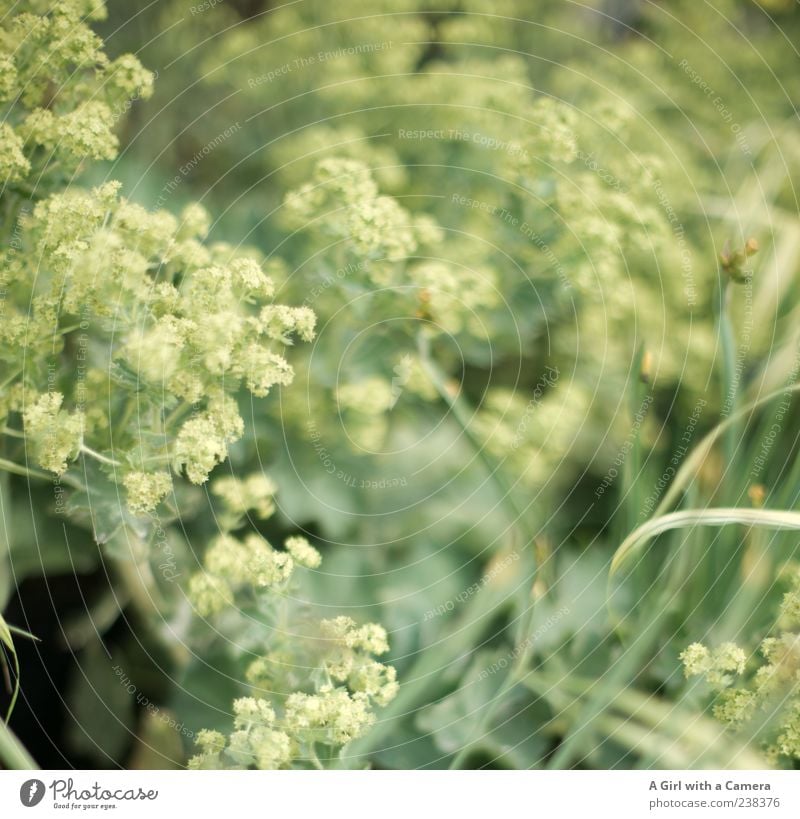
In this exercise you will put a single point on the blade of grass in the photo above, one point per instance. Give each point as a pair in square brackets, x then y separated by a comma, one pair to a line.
[768, 518]
[629, 665]
[637, 408]
[8, 642]
[691, 466]
[672, 733]
[12, 753]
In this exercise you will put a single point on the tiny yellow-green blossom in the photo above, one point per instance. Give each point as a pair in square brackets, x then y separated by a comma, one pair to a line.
[790, 605]
[209, 595]
[200, 446]
[728, 657]
[250, 562]
[254, 742]
[56, 435]
[127, 75]
[334, 715]
[155, 334]
[150, 233]
[273, 749]
[85, 133]
[735, 706]
[263, 369]
[268, 566]
[714, 666]
[343, 201]
[8, 77]
[211, 745]
[228, 558]
[194, 221]
[788, 742]
[278, 322]
[344, 631]
[273, 734]
[696, 660]
[155, 354]
[249, 711]
[773, 690]
[303, 552]
[255, 492]
[146, 490]
[783, 661]
[248, 275]
[371, 396]
[13, 163]
[370, 637]
[376, 680]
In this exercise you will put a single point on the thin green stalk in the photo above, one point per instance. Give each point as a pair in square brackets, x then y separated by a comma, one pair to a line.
[98, 457]
[411, 696]
[130, 406]
[628, 666]
[788, 497]
[637, 392]
[462, 414]
[671, 734]
[723, 560]
[180, 410]
[314, 757]
[691, 466]
[622, 674]
[9, 379]
[141, 589]
[627, 516]
[16, 469]
[729, 381]
[515, 675]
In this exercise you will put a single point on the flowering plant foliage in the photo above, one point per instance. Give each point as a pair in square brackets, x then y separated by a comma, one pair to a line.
[127, 343]
[768, 701]
[501, 321]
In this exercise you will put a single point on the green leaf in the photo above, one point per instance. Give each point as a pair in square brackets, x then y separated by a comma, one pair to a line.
[8, 642]
[101, 507]
[510, 741]
[53, 547]
[204, 695]
[101, 708]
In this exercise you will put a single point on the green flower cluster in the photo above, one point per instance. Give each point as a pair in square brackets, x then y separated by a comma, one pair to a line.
[232, 563]
[97, 283]
[552, 219]
[64, 94]
[317, 687]
[771, 695]
[164, 314]
[275, 729]
[128, 341]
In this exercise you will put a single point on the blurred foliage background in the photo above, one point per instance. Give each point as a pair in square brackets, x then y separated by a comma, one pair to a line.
[517, 354]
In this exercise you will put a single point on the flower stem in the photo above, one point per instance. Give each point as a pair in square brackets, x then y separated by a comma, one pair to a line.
[98, 457]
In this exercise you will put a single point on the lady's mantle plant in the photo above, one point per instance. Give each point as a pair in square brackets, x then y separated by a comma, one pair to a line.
[126, 343]
[769, 698]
